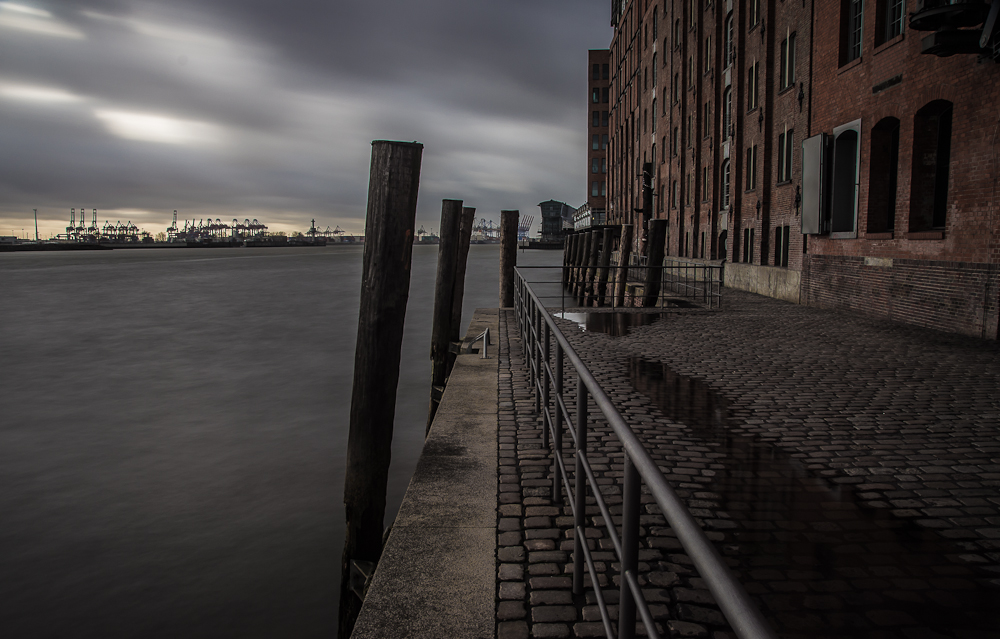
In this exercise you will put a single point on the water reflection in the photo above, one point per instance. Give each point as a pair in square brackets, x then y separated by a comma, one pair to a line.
[613, 324]
[822, 563]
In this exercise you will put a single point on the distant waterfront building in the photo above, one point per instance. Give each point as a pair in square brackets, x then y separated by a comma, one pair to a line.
[555, 215]
[585, 217]
[832, 158]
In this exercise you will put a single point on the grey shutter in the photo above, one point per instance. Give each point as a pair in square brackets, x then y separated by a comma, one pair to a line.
[813, 187]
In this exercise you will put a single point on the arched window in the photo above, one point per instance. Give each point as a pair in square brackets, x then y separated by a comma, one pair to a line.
[844, 202]
[882, 178]
[727, 111]
[932, 157]
[727, 43]
[724, 195]
[654, 70]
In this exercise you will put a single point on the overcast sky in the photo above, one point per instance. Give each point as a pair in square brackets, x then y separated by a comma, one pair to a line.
[266, 109]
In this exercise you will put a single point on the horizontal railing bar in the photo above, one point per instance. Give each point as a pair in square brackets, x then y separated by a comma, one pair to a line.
[581, 538]
[732, 598]
[608, 521]
[647, 618]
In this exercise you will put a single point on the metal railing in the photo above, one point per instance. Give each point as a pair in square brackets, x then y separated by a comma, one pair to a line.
[701, 283]
[545, 349]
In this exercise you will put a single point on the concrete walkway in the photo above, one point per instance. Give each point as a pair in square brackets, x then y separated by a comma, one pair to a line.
[436, 577]
[847, 468]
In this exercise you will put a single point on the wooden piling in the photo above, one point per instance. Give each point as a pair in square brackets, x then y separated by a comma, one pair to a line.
[624, 254]
[508, 256]
[385, 286]
[464, 239]
[603, 267]
[591, 273]
[654, 262]
[444, 293]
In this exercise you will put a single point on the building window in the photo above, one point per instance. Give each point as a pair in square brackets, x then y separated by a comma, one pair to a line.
[645, 116]
[727, 44]
[708, 54]
[605, 71]
[604, 118]
[673, 194]
[595, 165]
[687, 190]
[754, 12]
[932, 157]
[597, 118]
[664, 101]
[690, 71]
[663, 149]
[677, 33]
[604, 95]
[752, 86]
[785, 156]
[655, 20]
[882, 180]
[673, 141]
[781, 237]
[596, 73]
[727, 111]
[654, 70]
[604, 165]
[654, 115]
[888, 20]
[594, 142]
[707, 120]
[690, 138]
[665, 49]
[595, 189]
[748, 245]
[787, 77]
[704, 184]
[677, 87]
[724, 194]
[595, 95]
[604, 189]
[844, 186]
[645, 79]
[604, 141]
[751, 170]
[851, 20]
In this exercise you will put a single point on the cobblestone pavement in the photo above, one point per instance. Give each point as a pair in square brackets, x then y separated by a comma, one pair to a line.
[847, 468]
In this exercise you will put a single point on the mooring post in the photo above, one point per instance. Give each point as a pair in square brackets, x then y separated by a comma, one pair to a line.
[385, 287]
[567, 243]
[595, 248]
[464, 239]
[581, 271]
[624, 255]
[605, 262]
[654, 261]
[508, 256]
[444, 294]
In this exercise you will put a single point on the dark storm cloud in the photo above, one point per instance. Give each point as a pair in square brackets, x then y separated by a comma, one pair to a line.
[267, 109]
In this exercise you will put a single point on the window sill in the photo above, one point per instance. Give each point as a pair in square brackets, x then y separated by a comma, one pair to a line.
[844, 235]
[925, 235]
[786, 89]
[888, 43]
[784, 183]
[879, 236]
[850, 65]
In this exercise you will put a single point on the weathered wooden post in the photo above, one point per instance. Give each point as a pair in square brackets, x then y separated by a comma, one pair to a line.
[581, 270]
[654, 263]
[508, 256]
[605, 262]
[624, 255]
[596, 235]
[567, 251]
[385, 287]
[464, 239]
[444, 293]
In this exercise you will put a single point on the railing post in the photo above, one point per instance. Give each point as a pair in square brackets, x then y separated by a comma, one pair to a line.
[630, 549]
[537, 353]
[580, 487]
[546, 424]
[557, 430]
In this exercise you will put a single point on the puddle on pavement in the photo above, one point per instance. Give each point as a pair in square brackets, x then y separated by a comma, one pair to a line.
[821, 563]
[613, 324]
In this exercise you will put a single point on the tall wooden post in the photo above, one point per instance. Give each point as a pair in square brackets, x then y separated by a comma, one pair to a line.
[596, 235]
[654, 263]
[624, 255]
[508, 256]
[385, 287]
[464, 239]
[605, 262]
[567, 251]
[444, 294]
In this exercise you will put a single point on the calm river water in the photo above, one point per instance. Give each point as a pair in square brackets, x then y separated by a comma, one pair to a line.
[173, 427]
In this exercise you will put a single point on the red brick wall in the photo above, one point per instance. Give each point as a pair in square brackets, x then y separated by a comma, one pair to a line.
[958, 297]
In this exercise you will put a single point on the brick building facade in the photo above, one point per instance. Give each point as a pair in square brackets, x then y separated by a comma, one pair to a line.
[815, 149]
[597, 126]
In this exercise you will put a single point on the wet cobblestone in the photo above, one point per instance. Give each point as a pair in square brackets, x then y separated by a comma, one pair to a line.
[815, 449]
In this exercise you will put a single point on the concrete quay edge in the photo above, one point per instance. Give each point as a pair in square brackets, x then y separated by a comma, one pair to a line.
[437, 574]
